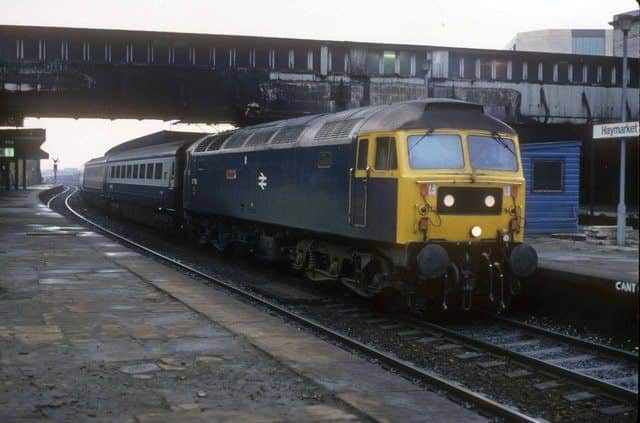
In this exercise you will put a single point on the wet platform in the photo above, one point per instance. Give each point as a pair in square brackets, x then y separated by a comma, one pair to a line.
[91, 330]
[605, 277]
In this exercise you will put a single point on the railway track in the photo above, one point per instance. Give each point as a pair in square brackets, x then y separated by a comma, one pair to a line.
[482, 402]
[493, 344]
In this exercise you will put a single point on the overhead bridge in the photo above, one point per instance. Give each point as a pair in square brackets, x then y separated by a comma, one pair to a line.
[71, 72]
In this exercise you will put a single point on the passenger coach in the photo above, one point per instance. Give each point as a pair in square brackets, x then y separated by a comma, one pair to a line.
[92, 181]
[141, 182]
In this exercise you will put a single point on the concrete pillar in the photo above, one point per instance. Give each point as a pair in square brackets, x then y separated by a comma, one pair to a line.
[16, 174]
[4, 174]
[24, 174]
[324, 60]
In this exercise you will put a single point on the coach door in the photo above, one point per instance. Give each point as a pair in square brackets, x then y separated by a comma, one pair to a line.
[358, 185]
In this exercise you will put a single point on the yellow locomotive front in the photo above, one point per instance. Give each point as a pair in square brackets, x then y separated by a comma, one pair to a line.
[460, 211]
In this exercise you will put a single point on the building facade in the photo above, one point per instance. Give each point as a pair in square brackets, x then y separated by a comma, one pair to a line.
[597, 42]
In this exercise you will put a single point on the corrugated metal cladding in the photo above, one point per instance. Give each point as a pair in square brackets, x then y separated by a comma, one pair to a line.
[552, 171]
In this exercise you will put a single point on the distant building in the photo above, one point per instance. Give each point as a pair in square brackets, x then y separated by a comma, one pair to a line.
[600, 42]
[633, 38]
[597, 42]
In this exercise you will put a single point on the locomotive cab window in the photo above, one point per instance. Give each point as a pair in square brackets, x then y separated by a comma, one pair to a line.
[386, 158]
[435, 151]
[363, 152]
[547, 175]
[492, 153]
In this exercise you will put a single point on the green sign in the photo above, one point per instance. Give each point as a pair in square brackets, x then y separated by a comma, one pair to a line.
[7, 152]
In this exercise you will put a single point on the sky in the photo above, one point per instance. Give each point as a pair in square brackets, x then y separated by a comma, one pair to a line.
[458, 23]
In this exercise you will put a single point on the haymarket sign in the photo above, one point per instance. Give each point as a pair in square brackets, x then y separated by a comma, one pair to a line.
[616, 130]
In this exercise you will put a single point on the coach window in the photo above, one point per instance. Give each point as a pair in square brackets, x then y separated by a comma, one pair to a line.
[363, 152]
[158, 171]
[547, 175]
[135, 171]
[143, 168]
[129, 170]
[149, 170]
[112, 171]
[385, 153]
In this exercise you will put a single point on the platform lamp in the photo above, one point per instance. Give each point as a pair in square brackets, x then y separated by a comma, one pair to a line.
[624, 23]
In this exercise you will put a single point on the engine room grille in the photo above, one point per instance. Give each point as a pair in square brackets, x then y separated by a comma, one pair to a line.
[287, 135]
[469, 200]
[336, 130]
[260, 137]
[203, 145]
[236, 140]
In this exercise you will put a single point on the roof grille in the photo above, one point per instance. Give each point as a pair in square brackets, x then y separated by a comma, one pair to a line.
[260, 137]
[217, 141]
[287, 135]
[336, 130]
[203, 145]
[236, 140]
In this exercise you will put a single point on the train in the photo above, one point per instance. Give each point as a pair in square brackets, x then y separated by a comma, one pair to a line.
[421, 201]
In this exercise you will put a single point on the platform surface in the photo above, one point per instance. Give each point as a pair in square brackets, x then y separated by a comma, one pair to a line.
[93, 331]
[582, 258]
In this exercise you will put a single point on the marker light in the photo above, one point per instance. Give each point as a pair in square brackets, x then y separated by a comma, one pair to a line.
[489, 201]
[476, 231]
[449, 200]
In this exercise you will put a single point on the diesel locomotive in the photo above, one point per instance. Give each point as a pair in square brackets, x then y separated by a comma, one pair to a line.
[423, 199]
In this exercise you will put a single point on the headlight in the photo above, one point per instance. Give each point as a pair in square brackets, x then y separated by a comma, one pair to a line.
[489, 201]
[449, 200]
[476, 231]
[506, 238]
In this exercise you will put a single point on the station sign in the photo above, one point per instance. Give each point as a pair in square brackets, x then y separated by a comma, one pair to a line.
[7, 148]
[616, 130]
[7, 152]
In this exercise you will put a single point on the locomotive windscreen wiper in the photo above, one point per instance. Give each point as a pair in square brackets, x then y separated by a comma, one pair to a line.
[426, 134]
[501, 141]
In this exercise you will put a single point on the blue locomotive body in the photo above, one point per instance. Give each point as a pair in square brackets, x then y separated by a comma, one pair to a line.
[305, 188]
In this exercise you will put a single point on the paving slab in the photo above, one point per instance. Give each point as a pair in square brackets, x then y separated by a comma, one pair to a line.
[90, 335]
[588, 259]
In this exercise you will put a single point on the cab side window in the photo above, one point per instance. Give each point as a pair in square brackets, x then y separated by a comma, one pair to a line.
[386, 153]
[363, 152]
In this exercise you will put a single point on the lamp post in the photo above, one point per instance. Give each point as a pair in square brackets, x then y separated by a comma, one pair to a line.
[427, 74]
[623, 23]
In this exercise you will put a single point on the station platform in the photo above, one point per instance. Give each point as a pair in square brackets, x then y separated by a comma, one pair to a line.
[587, 259]
[91, 330]
[603, 277]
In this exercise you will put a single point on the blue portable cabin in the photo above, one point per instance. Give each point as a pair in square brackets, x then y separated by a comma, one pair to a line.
[552, 172]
